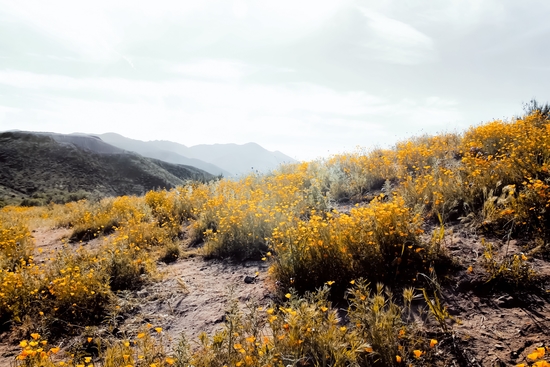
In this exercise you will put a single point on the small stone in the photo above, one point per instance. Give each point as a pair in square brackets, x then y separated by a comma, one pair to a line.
[499, 346]
[248, 279]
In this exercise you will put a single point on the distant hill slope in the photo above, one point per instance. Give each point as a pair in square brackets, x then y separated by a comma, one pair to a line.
[165, 153]
[232, 159]
[46, 166]
[241, 159]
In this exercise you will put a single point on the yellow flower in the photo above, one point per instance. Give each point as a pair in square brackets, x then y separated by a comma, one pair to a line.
[369, 349]
[398, 359]
[433, 342]
[352, 282]
[87, 359]
[288, 295]
[158, 329]
[23, 343]
[35, 336]
[54, 350]
[170, 360]
[90, 340]
[330, 282]
[417, 353]
[533, 356]
[126, 344]
[324, 309]
[140, 335]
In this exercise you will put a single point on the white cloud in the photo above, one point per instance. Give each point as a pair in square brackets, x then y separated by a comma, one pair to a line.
[395, 41]
[215, 69]
[194, 111]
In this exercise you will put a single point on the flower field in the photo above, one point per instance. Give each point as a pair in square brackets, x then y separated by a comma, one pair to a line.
[359, 247]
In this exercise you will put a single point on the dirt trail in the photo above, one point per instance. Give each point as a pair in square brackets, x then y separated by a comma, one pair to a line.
[194, 295]
[190, 296]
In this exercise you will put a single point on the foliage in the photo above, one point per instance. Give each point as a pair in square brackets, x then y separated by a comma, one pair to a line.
[380, 242]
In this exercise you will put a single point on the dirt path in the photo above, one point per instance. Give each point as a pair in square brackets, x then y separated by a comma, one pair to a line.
[194, 295]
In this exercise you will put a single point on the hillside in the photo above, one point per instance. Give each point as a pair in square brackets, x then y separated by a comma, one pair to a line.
[39, 167]
[241, 159]
[169, 153]
[230, 160]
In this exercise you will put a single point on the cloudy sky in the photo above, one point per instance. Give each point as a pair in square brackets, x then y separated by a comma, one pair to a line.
[307, 77]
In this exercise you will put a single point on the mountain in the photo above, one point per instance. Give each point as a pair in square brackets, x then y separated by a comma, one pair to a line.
[240, 159]
[165, 151]
[231, 159]
[36, 168]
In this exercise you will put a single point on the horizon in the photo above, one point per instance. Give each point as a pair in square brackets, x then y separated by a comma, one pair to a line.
[308, 79]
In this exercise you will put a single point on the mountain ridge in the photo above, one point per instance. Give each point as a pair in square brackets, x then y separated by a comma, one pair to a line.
[37, 168]
[234, 159]
[146, 149]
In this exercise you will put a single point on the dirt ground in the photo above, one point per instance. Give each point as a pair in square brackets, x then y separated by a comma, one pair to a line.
[496, 325]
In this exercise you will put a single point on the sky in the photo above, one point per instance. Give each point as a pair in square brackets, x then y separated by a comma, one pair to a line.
[309, 78]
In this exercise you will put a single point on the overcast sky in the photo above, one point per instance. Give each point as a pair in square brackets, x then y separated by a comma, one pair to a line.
[306, 77]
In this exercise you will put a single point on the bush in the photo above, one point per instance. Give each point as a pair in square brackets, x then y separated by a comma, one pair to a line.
[379, 242]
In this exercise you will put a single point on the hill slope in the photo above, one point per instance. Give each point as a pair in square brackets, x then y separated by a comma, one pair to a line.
[241, 159]
[226, 159]
[45, 166]
[169, 153]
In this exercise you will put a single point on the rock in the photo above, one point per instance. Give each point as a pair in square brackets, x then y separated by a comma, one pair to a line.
[142, 293]
[505, 302]
[249, 280]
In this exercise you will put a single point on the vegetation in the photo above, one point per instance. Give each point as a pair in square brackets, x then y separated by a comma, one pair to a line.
[38, 170]
[494, 177]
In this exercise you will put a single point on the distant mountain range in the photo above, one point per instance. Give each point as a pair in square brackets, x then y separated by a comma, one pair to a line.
[36, 168]
[229, 160]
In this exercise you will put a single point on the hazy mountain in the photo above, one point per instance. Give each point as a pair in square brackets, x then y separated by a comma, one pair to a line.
[231, 159]
[164, 150]
[240, 159]
[43, 167]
